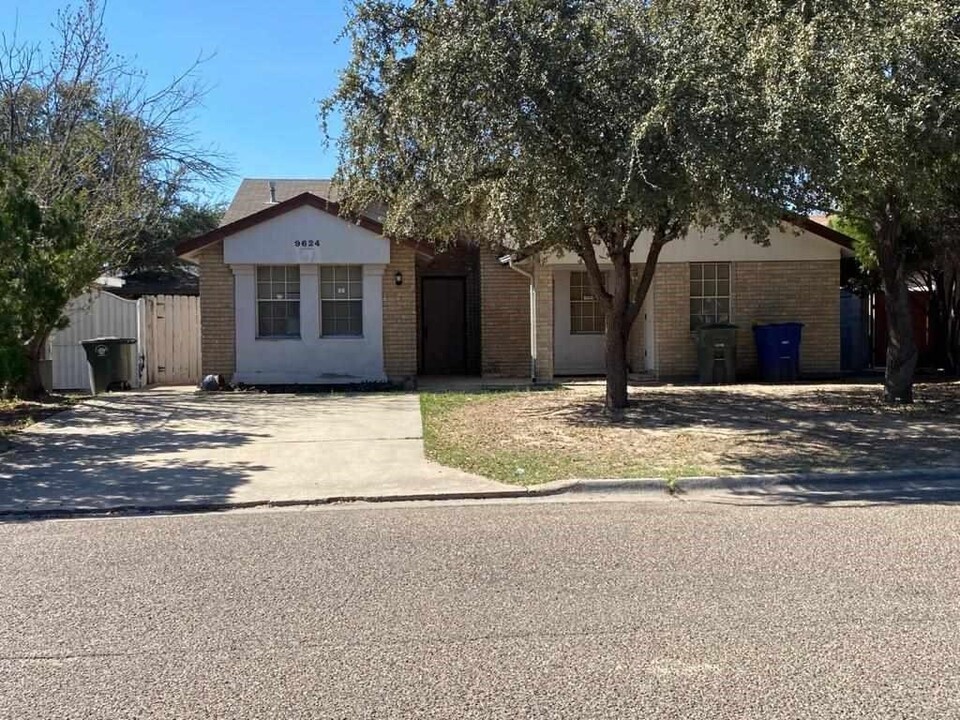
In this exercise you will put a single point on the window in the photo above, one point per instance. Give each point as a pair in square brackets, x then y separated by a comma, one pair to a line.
[341, 300]
[278, 301]
[586, 313]
[709, 294]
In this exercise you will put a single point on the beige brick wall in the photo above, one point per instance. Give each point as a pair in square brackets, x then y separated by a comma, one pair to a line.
[676, 356]
[808, 292]
[400, 315]
[505, 319]
[217, 340]
[544, 284]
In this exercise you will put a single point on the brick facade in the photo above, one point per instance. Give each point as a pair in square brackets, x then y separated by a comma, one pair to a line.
[217, 316]
[543, 275]
[807, 292]
[505, 319]
[217, 339]
[400, 315]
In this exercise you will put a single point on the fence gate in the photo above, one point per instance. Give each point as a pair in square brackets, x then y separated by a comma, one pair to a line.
[170, 336]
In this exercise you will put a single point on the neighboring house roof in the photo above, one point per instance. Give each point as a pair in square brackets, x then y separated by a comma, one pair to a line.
[249, 208]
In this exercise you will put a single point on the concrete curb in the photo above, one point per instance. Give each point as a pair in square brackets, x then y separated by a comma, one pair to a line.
[759, 482]
[558, 487]
[546, 489]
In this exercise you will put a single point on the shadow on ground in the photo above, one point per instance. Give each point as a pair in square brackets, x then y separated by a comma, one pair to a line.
[940, 491]
[121, 451]
[769, 429]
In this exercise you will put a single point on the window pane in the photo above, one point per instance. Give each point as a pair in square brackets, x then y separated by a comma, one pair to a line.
[723, 288]
[723, 271]
[696, 288]
[723, 307]
[709, 288]
[586, 313]
[263, 273]
[696, 307]
[696, 271]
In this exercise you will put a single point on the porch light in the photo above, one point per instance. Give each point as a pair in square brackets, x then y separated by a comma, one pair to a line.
[398, 278]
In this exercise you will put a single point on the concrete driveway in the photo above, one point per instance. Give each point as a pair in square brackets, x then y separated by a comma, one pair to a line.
[174, 446]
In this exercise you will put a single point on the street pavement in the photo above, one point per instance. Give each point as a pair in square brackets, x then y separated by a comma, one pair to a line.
[712, 606]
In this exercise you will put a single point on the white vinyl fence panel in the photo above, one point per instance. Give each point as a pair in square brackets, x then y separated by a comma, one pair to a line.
[92, 315]
[166, 327]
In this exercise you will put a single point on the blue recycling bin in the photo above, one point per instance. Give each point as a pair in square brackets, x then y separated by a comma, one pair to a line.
[778, 350]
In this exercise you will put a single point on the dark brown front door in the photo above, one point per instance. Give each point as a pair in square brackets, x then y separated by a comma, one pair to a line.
[443, 325]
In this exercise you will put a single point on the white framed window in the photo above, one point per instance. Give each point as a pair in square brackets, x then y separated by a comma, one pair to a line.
[341, 300]
[586, 312]
[709, 294]
[278, 301]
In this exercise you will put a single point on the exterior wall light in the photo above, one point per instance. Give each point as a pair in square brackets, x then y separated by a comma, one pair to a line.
[398, 278]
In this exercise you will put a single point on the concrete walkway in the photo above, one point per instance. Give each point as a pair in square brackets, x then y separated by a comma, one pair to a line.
[174, 447]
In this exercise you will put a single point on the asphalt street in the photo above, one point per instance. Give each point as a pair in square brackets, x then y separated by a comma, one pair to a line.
[697, 608]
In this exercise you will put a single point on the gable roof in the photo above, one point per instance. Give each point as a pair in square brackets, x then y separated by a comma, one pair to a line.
[253, 195]
[252, 205]
[816, 226]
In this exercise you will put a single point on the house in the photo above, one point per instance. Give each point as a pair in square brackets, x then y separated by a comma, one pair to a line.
[292, 293]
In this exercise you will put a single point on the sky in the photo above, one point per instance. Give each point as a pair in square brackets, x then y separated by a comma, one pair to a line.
[271, 62]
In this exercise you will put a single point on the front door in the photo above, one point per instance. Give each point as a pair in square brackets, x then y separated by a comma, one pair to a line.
[443, 325]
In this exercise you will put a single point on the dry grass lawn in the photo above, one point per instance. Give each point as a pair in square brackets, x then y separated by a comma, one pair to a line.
[681, 431]
[18, 414]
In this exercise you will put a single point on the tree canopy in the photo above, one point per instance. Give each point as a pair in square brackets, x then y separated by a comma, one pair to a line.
[85, 129]
[560, 125]
[877, 96]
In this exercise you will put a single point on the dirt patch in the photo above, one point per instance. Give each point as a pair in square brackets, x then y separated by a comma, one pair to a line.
[686, 431]
[18, 414]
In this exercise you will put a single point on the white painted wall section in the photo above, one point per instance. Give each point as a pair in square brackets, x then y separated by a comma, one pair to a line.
[787, 243]
[307, 237]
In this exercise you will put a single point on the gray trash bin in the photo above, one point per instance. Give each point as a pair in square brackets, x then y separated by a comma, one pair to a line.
[717, 353]
[112, 362]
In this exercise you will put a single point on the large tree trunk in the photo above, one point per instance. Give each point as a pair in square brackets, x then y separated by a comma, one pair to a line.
[617, 332]
[30, 386]
[621, 305]
[901, 347]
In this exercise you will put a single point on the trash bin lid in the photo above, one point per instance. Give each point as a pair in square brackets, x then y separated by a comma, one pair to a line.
[109, 341]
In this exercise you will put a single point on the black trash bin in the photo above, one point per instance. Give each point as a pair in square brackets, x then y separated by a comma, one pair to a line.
[778, 350]
[112, 362]
[717, 353]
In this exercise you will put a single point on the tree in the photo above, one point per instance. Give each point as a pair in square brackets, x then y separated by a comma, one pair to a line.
[155, 247]
[46, 252]
[878, 95]
[87, 130]
[592, 126]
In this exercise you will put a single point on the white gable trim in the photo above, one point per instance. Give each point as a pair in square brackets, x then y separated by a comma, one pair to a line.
[306, 235]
